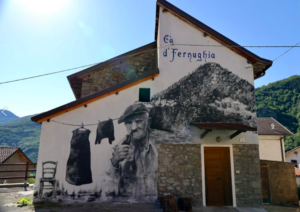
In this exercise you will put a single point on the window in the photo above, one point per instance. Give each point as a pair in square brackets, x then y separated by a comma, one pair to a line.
[144, 95]
[295, 162]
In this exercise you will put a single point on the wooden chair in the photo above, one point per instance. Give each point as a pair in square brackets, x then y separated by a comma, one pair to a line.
[48, 177]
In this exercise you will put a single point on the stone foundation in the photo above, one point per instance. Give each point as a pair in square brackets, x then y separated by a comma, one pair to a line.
[179, 171]
[248, 180]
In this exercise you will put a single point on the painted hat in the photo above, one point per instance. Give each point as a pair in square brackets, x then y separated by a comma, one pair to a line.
[133, 109]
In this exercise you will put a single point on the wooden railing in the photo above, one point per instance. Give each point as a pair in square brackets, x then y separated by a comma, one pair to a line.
[29, 167]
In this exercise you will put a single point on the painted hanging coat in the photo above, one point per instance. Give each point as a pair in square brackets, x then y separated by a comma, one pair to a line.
[79, 162]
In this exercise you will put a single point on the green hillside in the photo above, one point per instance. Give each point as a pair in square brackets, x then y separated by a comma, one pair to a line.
[281, 100]
[21, 132]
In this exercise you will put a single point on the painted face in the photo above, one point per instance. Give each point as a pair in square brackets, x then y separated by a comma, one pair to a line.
[137, 124]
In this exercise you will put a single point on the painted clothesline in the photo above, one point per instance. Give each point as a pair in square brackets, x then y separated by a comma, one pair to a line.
[78, 125]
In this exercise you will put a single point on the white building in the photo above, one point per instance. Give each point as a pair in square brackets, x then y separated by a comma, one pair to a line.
[271, 136]
[195, 138]
[293, 156]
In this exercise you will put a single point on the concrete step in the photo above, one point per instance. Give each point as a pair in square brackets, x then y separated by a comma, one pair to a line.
[11, 185]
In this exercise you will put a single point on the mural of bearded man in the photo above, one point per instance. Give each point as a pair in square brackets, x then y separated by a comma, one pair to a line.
[134, 159]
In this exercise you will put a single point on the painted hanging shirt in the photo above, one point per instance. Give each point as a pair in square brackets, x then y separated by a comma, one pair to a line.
[105, 130]
[79, 162]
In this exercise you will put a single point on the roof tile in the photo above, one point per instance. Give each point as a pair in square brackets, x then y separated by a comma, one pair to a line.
[264, 127]
[6, 152]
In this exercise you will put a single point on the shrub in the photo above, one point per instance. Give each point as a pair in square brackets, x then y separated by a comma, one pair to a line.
[24, 201]
[31, 180]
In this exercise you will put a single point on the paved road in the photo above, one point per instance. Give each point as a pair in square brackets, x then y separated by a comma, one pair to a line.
[8, 198]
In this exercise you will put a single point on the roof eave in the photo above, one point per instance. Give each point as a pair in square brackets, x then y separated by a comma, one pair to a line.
[277, 134]
[87, 70]
[93, 97]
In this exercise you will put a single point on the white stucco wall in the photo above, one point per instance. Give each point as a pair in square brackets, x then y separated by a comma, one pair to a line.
[55, 138]
[293, 156]
[298, 181]
[183, 33]
[170, 72]
[270, 149]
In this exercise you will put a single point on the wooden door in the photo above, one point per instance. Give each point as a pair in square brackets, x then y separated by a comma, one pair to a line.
[217, 176]
[264, 169]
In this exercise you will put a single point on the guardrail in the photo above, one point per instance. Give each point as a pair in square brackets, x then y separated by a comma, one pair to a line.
[30, 167]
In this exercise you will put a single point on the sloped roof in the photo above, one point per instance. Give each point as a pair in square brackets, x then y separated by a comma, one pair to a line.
[297, 172]
[260, 65]
[292, 150]
[264, 127]
[76, 83]
[264, 64]
[7, 152]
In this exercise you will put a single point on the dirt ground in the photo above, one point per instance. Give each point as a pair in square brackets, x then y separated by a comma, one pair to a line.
[8, 198]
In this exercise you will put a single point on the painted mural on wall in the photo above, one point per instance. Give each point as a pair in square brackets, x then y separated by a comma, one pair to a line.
[210, 93]
[78, 171]
[105, 129]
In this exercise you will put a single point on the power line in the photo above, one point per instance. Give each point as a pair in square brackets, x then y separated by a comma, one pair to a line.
[296, 45]
[47, 74]
[81, 66]
[203, 45]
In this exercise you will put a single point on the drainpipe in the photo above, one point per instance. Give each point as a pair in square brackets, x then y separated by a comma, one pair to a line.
[282, 148]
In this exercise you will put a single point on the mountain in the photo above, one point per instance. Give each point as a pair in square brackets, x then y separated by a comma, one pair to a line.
[281, 100]
[21, 132]
[6, 116]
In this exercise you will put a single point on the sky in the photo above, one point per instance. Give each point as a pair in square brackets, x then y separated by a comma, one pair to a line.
[42, 36]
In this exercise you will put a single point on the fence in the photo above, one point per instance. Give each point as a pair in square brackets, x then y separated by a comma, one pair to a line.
[30, 167]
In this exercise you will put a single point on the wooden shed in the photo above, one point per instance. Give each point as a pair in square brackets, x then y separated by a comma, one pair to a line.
[12, 155]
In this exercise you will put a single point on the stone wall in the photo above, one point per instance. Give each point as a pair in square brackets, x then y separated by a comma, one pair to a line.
[118, 71]
[179, 171]
[247, 175]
